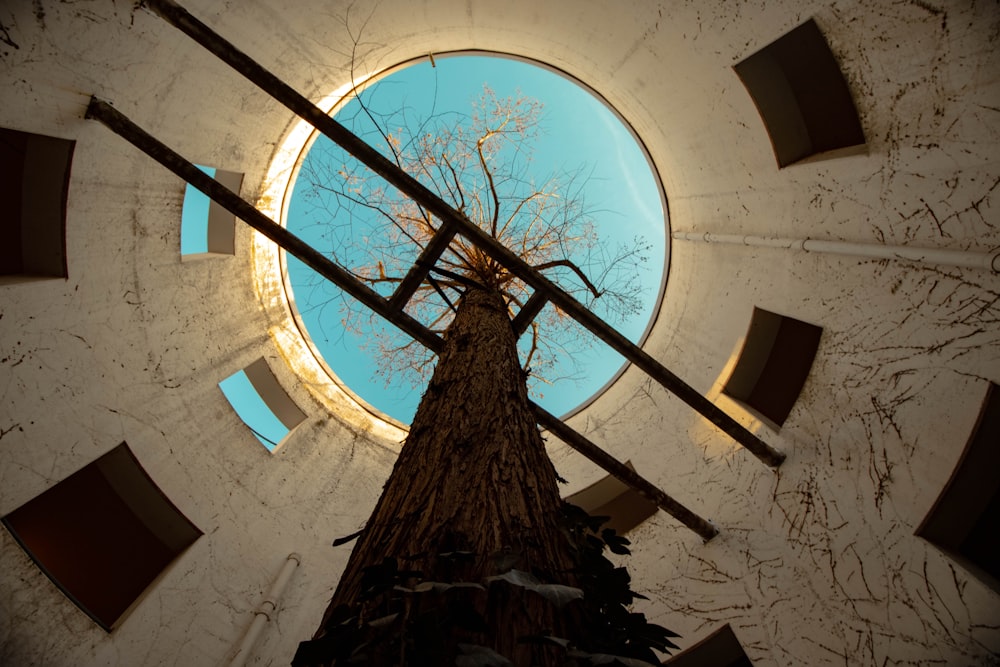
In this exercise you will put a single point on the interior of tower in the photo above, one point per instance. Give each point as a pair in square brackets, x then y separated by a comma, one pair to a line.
[832, 288]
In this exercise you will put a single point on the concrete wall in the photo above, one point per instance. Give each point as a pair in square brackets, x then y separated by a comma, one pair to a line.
[816, 564]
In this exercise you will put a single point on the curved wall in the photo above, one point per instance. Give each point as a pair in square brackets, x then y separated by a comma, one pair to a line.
[815, 564]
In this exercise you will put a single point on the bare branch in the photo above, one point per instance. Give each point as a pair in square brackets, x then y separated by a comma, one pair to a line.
[478, 163]
[489, 178]
[575, 269]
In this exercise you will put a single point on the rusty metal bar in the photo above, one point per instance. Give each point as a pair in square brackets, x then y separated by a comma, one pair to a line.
[623, 473]
[428, 257]
[125, 128]
[528, 311]
[295, 102]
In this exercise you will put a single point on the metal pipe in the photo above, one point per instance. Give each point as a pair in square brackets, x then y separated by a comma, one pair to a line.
[264, 611]
[295, 102]
[986, 261]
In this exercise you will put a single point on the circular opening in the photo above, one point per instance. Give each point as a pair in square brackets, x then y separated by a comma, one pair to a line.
[521, 150]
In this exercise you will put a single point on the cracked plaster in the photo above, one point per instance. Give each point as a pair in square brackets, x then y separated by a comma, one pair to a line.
[815, 564]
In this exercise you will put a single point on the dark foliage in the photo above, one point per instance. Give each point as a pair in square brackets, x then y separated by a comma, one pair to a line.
[412, 621]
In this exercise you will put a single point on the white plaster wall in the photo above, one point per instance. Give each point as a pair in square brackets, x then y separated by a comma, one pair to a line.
[816, 564]
[131, 347]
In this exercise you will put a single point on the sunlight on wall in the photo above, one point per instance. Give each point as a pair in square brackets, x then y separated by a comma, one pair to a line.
[269, 280]
[704, 431]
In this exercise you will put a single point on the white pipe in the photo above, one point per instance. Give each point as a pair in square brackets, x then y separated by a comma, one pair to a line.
[265, 609]
[987, 261]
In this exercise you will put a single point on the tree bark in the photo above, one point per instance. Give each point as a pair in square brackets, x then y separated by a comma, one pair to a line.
[473, 477]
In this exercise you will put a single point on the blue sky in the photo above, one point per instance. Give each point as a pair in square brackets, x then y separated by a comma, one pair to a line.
[578, 133]
[194, 218]
[252, 409]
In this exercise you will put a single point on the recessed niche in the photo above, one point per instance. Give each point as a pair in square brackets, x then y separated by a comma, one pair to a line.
[206, 227]
[803, 97]
[103, 535]
[773, 365]
[719, 649]
[965, 520]
[34, 183]
[261, 402]
[610, 497]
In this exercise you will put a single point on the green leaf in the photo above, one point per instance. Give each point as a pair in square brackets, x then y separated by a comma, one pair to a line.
[656, 636]
[441, 587]
[383, 621]
[606, 659]
[474, 655]
[616, 543]
[556, 593]
[545, 639]
[594, 522]
[517, 578]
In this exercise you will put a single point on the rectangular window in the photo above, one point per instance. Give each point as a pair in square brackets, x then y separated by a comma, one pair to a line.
[965, 520]
[103, 535]
[262, 403]
[802, 97]
[34, 183]
[773, 365]
[719, 649]
[206, 227]
[610, 497]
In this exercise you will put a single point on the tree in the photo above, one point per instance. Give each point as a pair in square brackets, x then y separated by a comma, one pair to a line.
[470, 557]
[481, 162]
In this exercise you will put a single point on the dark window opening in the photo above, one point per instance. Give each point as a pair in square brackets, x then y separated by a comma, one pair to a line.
[720, 649]
[103, 535]
[34, 182]
[965, 519]
[773, 365]
[610, 497]
[802, 96]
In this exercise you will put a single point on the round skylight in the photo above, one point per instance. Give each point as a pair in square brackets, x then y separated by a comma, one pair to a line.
[578, 156]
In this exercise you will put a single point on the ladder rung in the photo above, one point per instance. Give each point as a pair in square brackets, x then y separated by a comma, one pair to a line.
[418, 272]
[528, 312]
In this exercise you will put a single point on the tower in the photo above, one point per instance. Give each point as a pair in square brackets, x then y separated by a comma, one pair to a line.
[817, 563]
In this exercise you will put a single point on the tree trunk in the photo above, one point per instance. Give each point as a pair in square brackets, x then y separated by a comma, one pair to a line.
[472, 495]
